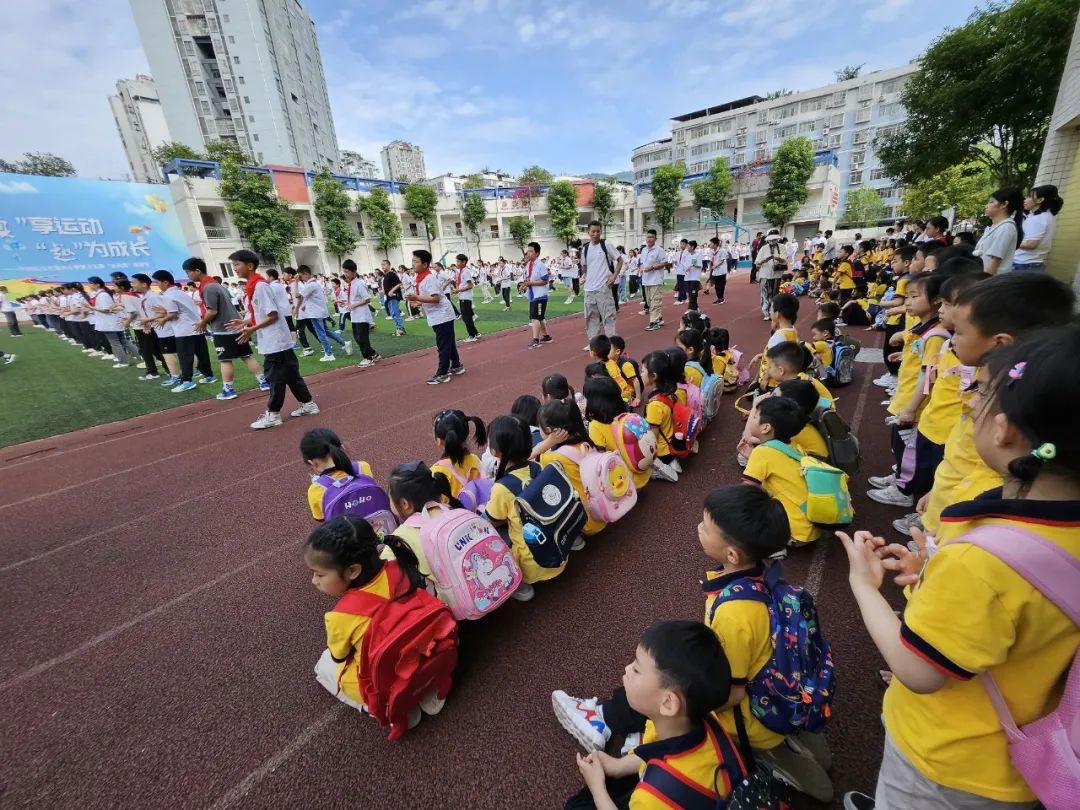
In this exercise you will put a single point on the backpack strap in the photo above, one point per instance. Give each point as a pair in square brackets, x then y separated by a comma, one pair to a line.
[695, 364]
[661, 778]
[515, 484]
[449, 465]
[754, 591]
[784, 448]
[571, 453]
[328, 482]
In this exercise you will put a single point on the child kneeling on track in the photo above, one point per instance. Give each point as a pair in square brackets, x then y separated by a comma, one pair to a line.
[783, 314]
[561, 424]
[343, 557]
[677, 754]
[979, 608]
[659, 377]
[603, 404]
[510, 441]
[323, 453]
[458, 464]
[413, 487]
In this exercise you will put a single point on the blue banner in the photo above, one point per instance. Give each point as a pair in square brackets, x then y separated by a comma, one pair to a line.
[55, 229]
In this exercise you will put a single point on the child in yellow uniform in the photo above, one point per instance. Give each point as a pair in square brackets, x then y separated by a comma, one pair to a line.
[822, 334]
[904, 262]
[783, 313]
[414, 488]
[561, 424]
[698, 355]
[343, 556]
[625, 373]
[659, 377]
[973, 612]
[808, 440]
[844, 275]
[684, 759]
[603, 404]
[323, 453]
[458, 464]
[740, 529]
[779, 419]
[723, 358]
[790, 361]
[510, 441]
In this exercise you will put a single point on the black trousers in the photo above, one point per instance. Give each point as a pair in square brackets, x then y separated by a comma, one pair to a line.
[467, 317]
[361, 334]
[191, 351]
[447, 346]
[13, 323]
[615, 295]
[506, 296]
[719, 284]
[149, 349]
[890, 330]
[282, 371]
[680, 288]
[692, 288]
[576, 284]
[303, 325]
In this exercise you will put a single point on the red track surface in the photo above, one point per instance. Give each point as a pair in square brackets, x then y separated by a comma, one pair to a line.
[160, 628]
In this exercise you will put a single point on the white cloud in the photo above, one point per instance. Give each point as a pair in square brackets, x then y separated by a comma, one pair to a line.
[17, 187]
[886, 10]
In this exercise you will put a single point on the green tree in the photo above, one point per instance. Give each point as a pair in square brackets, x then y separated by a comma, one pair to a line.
[263, 218]
[521, 231]
[963, 188]
[984, 93]
[331, 204]
[172, 150]
[666, 186]
[791, 170]
[43, 163]
[228, 150]
[383, 224]
[562, 209]
[473, 213]
[421, 202]
[604, 202]
[535, 176]
[473, 181]
[848, 72]
[863, 208]
[713, 192]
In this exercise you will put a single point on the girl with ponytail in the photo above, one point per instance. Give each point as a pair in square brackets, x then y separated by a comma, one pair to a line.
[458, 463]
[999, 241]
[323, 453]
[1043, 204]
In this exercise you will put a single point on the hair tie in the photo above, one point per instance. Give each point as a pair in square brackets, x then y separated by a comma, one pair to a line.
[1016, 372]
[1045, 452]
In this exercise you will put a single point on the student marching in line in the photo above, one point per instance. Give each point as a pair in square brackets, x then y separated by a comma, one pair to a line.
[440, 317]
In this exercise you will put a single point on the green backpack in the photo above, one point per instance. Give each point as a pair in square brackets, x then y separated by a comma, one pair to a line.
[828, 501]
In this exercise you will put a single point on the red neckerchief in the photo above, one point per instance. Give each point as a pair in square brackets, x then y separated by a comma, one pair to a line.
[421, 276]
[252, 283]
[528, 274]
[348, 292]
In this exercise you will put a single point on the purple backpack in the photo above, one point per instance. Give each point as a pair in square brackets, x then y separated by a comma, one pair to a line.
[359, 496]
[1046, 752]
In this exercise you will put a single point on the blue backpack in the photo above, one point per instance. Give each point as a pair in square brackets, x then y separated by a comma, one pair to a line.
[842, 370]
[794, 690]
[552, 514]
[712, 388]
[357, 496]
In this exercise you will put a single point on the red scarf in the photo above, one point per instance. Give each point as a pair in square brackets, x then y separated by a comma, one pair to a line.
[254, 280]
[420, 278]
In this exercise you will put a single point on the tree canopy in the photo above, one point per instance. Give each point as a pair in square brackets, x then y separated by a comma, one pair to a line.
[713, 192]
[848, 72]
[984, 93]
[521, 230]
[666, 185]
[263, 218]
[604, 202]
[535, 176]
[421, 202]
[383, 224]
[863, 208]
[228, 150]
[473, 213]
[44, 163]
[562, 209]
[964, 188]
[331, 204]
[791, 170]
[473, 181]
[172, 150]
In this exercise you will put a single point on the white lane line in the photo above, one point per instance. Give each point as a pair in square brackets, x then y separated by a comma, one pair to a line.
[245, 785]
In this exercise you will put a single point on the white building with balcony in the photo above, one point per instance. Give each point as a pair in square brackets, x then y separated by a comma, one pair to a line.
[841, 118]
[403, 162]
[245, 71]
[141, 124]
[447, 185]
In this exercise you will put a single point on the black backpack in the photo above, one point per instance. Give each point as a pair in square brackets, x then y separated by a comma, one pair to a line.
[843, 445]
[585, 256]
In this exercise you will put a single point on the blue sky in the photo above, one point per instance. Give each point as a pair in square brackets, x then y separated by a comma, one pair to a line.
[500, 83]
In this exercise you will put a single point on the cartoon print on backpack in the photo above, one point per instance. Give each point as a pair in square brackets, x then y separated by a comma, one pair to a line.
[490, 579]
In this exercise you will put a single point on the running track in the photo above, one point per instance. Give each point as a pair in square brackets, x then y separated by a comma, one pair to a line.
[160, 629]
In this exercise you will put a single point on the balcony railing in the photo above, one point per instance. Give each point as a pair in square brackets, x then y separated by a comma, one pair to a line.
[304, 232]
[216, 232]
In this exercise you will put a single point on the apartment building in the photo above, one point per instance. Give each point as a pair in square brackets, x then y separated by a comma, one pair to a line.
[141, 124]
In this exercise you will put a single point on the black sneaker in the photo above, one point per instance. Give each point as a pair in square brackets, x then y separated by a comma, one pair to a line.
[546, 339]
[456, 370]
[653, 327]
[533, 344]
[435, 379]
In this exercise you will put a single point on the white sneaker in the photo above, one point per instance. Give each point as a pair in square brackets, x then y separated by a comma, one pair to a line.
[365, 363]
[908, 522]
[140, 365]
[415, 716]
[431, 703]
[665, 472]
[676, 466]
[91, 351]
[524, 592]
[307, 409]
[890, 495]
[881, 481]
[348, 347]
[891, 420]
[267, 420]
[886, 381]
[107, 357]
[327, 358]
[741, 460]
[632, 741]
[582, 718]
[121, 365]
[578, 544]
[307, 352]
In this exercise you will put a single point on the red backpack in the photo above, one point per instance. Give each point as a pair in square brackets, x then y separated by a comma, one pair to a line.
[687, 426]
[410, 649]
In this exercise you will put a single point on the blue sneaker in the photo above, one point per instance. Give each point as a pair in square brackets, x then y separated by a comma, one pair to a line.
[170, 381]
[206, 380]
[185, 386]
[227, 393]
[264, 385]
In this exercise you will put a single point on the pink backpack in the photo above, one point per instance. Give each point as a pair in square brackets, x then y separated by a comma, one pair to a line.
[1046, 751]
[472, 567]
[634, 440]
[608, 482]
[694, 401]
[740, 363]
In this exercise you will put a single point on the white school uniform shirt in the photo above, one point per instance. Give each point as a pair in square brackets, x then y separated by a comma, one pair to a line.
[719, 263]
[130, 303]
[187, 311]
[149, 300]
[998, 241]
[693, 265]
[314, 303]
[105, 321]
[353, 292]
[466, 275]
[506, 278]
[595, 263]
[275, 337]
[653, 255]
[440, 312]
[5, 303]
[1036, 226]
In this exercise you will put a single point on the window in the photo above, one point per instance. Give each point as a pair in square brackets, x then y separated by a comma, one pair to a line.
[189, 47]
[255, 136]
[220, 91]
[890, 110]
[261, 158]
[236, 60]
[740, 141]
[725, 125]
[812, 104]
[295, 98]
[739, 158]
[866, 92]
[229, 85]
[786, 111]
[225, 18]
[836, 121]
[494, 230]
[807, 126]
[785, 132]
[878, 174]
[240, 80]
[886, 193]
[833, 141]
[855, 178]
[740, 121]
[232, 40]
[215, 73]
[247, 100]
[200, 88]
[858, 157]
[861, 136]
[413, 230]
[251, 119]
[862, 116]
[205, 105]
[886, 132]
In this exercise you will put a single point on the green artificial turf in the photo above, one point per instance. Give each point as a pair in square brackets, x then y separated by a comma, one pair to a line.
[53, 388]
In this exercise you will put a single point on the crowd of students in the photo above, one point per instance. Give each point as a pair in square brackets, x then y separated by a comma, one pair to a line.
[983, 443]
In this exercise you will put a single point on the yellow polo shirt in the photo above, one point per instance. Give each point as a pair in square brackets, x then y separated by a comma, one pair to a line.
[703, 760]
[658, 414]
[315, 490]
[345, 633]
[502, 510]
[970, 614]
[943, 410]
[919, 355]
[781, 476]
[901, 294]
[467, 470]
[573, 473]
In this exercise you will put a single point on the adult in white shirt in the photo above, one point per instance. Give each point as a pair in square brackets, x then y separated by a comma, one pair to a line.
[179, 309]
[771, 262]
[680, 272]
[108, 323]
[8, 308]
[718, 270]
[999, 242]
[311, 308]
[280, 364]
[828, 253]
[1042, 204]
[600, 263]
[653, 260]
[440, 317]
[464, 280]
[693, 268]
[356, 301]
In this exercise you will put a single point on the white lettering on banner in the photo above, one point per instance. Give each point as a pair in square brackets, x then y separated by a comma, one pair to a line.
[4, 231]
[60, 225]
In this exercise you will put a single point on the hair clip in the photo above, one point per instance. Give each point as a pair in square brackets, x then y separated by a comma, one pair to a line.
[1045, 452]
[1017, 371]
